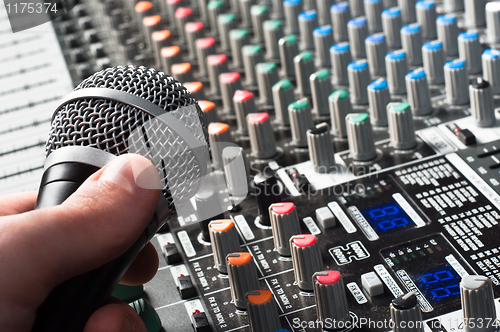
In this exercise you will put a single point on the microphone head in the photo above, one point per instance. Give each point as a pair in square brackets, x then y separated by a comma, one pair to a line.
[118, 127]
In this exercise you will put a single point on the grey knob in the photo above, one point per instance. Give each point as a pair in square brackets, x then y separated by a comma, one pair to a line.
[331, 300]
[453, 6]
[285, 223]
[235, 172]
[320, 147]
[357, 8]
[308, 21]
[475, 14]
[323, 8]
[215, 8]
[244, 104]
[227, 22]
[469, 50]
[252, 55]
[216, 65]
[481, 103]
[340, 16]
[323, 40]
[478, 303]
[406, 314]
[493, 21]
[401, 130]
[204, 48]
[237, 39]
[194, 31]
[292, 10]
[396, 67]
[418, 92]
[321, 87]
[245, 13]
[447, 32]
[358, 81]
[288, 49]
[340, 57]
[411, 39]
[243, 277]
[278, 12]
[219, 137]
[182, 16]
[376, 49]
[456, 82]
[304, 67]
[224, 239]
[300, 121]
[229, 84]
[273, 32]
[340, 106]
[357, 29]
[267, 76]
[378, 98]
[391, 24]
[209, 110]
[433, 60]
[170, 55]
[259, 14]
[491, 69]
[261, 135]
[426, 18]
[306, 259]
[262, 311]
[360, 137]
[373, 14]
[408, 12]
[283, 96]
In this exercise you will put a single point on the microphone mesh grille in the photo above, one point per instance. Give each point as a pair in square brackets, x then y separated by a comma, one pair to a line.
[114, 126]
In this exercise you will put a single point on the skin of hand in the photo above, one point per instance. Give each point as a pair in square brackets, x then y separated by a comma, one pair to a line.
[39, 249]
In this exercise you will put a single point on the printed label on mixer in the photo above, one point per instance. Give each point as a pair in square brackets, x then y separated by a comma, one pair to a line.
[411, 287]
[311, 226]
[245, 230]
[357, 293]
[342, 217]
[354, 250]
[363, 223]
[186, 243]
[388, 280]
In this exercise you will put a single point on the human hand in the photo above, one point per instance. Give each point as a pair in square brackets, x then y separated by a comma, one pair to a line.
[40, 249]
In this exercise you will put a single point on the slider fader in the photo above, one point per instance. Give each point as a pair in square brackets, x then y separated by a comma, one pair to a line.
[370, 137]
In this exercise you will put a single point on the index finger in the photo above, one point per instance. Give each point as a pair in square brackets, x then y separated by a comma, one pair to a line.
[17, 203]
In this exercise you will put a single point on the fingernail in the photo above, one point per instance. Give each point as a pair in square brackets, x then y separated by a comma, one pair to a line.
[133, 173]
[127, 325]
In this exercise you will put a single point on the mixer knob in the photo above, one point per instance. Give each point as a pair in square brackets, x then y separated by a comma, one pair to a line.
[288, 49]
[261, 135]
[321, 86]
[469, 50]
[396, 67]
[411, 39]
[481, 102]
[378, 97]
[252, 55]
[401, 130]
[340, 106]
[331, 300]
[357, 8]
[237, 39]
[227, 22]
[360, 137]
[447, 32]
[292, 10]
[340, 58]
[217, 64]
[340, 16]
[283, 95]
[306, 258]
[267, 76]
[493, 21]
[204, 48]
[224, 239]
[304, 67]
[193, 31]
[182, 16]
[456, 82]
[357, 29]
[376, 49]
[358, 81]
[320, 146]
[229, 84]
[391, 23]
[208, 207]
[418, 92]
[433, 60]
[426, 18]
[273, 32]
[243, 277]
[452, 6]
[491, 69]
[308, 21]
[301, 120]
[259, 14]
[219, 138]
[478, 303]
[215, 8]
[324, 15]
[265, 195]
[408, 12]
[406, 314]
[262, 311]
[323, 39]
[235, 171]
[373, 13]
[475, 14]
[285, 224]
[244, 104]
[245, 12]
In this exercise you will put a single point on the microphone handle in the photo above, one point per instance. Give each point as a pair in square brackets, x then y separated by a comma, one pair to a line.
[70, 304]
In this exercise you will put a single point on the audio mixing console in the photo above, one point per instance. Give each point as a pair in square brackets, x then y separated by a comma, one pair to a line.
[372, 147]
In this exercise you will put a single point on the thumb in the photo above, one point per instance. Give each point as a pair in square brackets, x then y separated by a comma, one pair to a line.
[94, 225]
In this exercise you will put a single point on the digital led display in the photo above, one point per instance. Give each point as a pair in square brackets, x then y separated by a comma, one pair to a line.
[438, 284]
[386, 217]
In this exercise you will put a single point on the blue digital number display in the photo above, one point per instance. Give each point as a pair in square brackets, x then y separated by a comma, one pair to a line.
[439, 284]
[386, 217]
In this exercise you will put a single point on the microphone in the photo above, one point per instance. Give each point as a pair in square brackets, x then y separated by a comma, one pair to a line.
[125, 109]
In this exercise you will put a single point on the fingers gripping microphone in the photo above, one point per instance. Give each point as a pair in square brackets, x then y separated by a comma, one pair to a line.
[119, 110]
